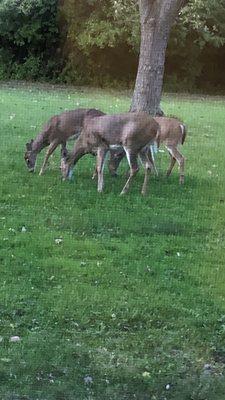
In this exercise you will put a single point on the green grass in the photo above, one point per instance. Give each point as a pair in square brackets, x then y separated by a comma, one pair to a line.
[131, 303]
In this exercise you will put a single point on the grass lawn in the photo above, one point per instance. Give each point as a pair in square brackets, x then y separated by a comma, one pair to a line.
[130, 302]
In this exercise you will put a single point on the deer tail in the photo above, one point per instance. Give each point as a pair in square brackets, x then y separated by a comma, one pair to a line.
[183, 132]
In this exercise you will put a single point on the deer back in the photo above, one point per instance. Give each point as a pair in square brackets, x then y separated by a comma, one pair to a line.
[173, 131]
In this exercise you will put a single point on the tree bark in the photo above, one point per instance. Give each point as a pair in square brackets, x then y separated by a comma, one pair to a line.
[156, 18]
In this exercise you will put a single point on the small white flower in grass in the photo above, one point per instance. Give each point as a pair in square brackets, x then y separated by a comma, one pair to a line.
[51, 378]
[113, 316]
[12, 116]
[178, 254]
[83, 263]
[88, 380]
[58, 240]
[207, 367]
[168, 386]
[12, 230]
[146, 374]
[15, 339]
[23, 229]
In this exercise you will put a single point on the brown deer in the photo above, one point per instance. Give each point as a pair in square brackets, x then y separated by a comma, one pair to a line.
[172, 133]
[56, 132]
[134, 132]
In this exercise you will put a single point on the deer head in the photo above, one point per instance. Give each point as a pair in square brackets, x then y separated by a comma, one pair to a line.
[30, 156]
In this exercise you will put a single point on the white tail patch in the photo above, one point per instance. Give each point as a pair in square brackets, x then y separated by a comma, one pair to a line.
[182, 129]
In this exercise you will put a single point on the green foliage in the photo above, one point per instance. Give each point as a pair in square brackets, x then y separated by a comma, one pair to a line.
[111, 25]
[198, 35]
[29, 37]
[97, 42]
[207, 19]
[102, 35]
[102, 38]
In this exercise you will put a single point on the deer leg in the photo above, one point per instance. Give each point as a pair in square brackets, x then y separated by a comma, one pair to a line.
[146, 160]
[95, 173]
[132, 160]
[64, 154]
[180, 160]
[50, 150]
[101, 155]
[116, 157]
[152, 160]
[172, 163]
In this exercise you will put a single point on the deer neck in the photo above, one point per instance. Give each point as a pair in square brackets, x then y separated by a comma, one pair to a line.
[39, 143]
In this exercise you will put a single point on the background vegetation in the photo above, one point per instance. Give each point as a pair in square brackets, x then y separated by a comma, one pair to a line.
[97, 42]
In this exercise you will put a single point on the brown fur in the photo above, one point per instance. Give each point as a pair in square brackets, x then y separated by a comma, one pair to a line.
[56, 132]
[171, 136]
[132, 131]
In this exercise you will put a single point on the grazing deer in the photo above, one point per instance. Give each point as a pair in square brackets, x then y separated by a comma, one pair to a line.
[172, 133]
[133, 131]
[56, 132]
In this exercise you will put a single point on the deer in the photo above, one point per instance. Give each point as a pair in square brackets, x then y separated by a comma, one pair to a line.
[172, 134]
[134, 132]
[57, 131]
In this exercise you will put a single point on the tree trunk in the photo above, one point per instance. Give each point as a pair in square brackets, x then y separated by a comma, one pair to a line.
[156, 17]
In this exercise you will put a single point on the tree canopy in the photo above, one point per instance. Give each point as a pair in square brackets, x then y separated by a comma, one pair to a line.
[97, 41]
